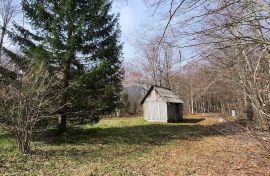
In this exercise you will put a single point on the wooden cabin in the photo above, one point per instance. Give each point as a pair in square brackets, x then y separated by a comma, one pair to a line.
[162, 105]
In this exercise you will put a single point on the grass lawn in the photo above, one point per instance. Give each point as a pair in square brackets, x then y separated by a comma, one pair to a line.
[131, 146]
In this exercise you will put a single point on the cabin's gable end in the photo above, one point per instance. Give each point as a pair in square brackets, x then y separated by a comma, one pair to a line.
[154, 96]
[161, 105]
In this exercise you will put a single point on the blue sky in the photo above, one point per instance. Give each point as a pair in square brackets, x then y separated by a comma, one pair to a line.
[132, 15]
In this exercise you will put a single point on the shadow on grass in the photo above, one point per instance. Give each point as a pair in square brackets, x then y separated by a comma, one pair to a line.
[193, 120]
[149, 134]
[5, 136]
[113, 142]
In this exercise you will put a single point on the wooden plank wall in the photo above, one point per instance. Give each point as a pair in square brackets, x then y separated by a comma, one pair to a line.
[155, 108]
[155, 111]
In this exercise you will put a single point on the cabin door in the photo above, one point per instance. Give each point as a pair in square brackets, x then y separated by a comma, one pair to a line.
[177, 112]
[174, 112]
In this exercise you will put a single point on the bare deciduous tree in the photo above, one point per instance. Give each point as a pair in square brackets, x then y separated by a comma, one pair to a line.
[8, 10]
[160, 64]
[232, 37]
[25, 101]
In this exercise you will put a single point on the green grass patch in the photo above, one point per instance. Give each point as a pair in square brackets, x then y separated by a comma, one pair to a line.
[105, 148]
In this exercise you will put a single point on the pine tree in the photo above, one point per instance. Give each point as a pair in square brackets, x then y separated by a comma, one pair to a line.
[79, 40]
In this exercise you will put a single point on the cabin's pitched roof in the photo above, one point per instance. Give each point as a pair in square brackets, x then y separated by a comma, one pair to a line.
[167, 94]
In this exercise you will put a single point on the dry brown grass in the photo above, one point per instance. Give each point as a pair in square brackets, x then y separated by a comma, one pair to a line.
[200, 145]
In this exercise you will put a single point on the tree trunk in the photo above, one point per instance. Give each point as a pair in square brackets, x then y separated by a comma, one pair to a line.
[70, 54]
[192, 103]
[23, 141]
[3, 33]
[191, 96]
[249, 111]
[62, 121]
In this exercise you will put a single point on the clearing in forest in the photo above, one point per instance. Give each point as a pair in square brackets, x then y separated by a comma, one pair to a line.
[131, 146]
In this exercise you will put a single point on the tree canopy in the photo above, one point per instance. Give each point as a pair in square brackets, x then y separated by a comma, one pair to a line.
[79, 42]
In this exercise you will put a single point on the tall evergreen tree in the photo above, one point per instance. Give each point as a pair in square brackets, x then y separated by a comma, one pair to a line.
[79, 40]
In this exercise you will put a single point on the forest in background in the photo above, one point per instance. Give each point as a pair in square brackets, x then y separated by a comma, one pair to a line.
[213, 54]
[64, 67]
[63, 80]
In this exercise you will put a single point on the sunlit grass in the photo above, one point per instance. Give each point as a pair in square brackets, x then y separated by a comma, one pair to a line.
[105, 148]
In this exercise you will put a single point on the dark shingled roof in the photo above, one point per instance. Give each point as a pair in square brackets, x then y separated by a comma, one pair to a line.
[165, 93]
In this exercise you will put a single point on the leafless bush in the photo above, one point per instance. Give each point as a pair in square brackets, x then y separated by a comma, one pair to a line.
[244, 131]
[26, 100]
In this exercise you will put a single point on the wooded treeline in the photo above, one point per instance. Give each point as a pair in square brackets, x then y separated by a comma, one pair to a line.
[213, 54]
[60, 61]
